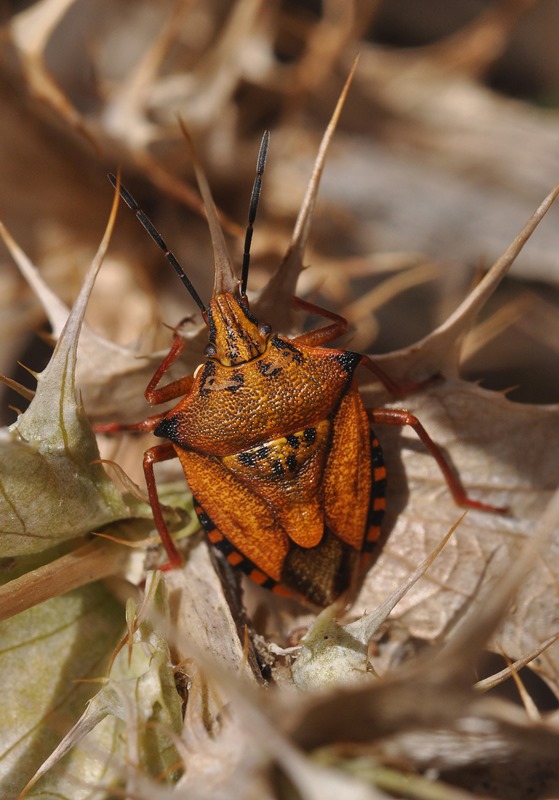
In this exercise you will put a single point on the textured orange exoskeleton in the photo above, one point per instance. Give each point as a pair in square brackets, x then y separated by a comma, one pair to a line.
[271, 432]
[276, 448]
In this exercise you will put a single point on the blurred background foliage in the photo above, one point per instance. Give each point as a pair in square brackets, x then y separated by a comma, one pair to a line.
[447, 143]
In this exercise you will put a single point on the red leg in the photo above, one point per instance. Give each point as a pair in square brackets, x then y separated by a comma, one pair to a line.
[155, 455]
[173, 390]
[148, 424]
[389, 416]
[321, 335]
[154, 396]
[395, 389]
[386, 381]
[338, 327]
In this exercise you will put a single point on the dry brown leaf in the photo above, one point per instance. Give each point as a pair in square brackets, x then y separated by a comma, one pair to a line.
[452, 163]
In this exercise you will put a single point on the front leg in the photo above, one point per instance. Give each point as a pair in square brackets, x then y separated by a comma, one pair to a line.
[171, 391]
[154, 396]
[145, 426]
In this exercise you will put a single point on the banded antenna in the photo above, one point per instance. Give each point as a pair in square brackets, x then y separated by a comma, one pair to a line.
[254, 198]
[145, 221]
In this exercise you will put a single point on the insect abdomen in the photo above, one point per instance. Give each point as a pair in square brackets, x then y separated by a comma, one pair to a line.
[320, 573]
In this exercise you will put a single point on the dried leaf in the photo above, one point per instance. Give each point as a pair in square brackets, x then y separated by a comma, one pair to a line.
[480, 431]
[331, 654]
[430, 160]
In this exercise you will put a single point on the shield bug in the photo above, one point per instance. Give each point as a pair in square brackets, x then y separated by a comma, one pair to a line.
[273, 437]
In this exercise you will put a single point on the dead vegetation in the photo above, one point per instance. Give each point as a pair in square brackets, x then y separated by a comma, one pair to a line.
[431, 174]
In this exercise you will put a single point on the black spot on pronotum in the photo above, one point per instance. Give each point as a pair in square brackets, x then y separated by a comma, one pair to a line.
[287, 348]
[266, 369]
[237, 380]
[349, 361]
[168, 429]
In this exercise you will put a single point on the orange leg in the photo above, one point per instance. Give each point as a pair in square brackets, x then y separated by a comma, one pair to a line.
[389, 416]
[155, 455]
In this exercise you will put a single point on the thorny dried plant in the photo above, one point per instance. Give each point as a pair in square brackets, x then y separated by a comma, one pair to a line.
[189, 695]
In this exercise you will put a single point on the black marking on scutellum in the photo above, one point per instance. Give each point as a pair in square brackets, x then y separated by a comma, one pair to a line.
[262, 453]
[291, 462]
[309, 435]
[277, 468]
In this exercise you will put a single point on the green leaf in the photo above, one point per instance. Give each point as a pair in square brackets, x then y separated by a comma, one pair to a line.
[50, 490]
[44, 652]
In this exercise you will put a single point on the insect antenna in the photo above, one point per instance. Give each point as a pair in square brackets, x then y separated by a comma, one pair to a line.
[254, 198]
[159, 241]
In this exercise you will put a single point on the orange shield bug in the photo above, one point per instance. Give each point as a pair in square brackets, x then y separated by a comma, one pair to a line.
[273, 437]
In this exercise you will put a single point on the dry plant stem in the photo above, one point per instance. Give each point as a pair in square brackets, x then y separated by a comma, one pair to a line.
[437, 351]
[93, 561]
[486, 684]
[283, 283]
[479, 295]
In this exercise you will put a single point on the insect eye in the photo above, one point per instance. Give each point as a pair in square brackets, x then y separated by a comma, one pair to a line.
[210, 350]
[264, 328]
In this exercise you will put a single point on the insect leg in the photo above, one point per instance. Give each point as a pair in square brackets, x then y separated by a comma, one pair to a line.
[155, 455]
[321, 335]
[148, 424]
[390, 416]
[154, 396]
[337, 328]
[395, 389]
[172, 390]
